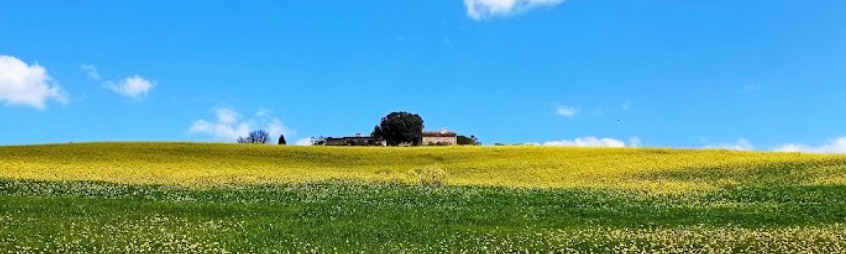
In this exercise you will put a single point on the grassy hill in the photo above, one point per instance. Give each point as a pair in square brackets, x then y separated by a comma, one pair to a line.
[224, 198]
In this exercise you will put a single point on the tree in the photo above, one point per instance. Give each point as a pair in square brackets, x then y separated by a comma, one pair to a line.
[318, 141]
[255, 137]
[464, 140]
[400, 128]
[282, 139]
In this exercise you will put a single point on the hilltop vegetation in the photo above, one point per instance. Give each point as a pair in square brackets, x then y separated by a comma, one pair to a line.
[221, 198]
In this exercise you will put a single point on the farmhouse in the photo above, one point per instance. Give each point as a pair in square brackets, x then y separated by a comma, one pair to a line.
[441, 138]
[430, 138]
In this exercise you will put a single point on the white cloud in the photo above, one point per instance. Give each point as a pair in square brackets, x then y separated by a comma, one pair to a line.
[276, 128]
[91, 71]
[226, 127]
[484, 9]
[263, 112]
[304, 142]
[594, 142]
[741, 145]
[133, 87]
[837, 145]
[29, 85]
[566, 110]
[634, 142]
[229, 125]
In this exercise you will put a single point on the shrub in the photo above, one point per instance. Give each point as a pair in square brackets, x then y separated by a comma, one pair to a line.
[255, 137]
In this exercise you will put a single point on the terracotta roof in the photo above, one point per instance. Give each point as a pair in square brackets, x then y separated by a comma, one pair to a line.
[341, 138]
[439, 134]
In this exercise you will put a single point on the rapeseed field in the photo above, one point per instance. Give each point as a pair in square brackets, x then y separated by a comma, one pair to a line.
[204, 165]
[226, 198]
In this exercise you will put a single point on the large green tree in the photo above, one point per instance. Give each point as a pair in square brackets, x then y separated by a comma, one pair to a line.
[399, 128]
[464, 140]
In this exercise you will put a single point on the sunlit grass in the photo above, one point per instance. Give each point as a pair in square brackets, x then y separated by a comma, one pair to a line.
[344, 217]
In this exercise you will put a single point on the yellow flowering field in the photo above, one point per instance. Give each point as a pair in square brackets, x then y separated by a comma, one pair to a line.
[191, 164]
[229, 198]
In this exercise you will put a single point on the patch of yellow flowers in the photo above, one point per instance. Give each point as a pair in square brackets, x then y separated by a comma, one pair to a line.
[203, 165]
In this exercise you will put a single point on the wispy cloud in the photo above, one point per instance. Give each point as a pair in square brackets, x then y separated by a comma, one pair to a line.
[626, 105]
[594, 142]
[28, 85]
[741, 145]
[303, 142]
[485, 9]
[837, 145]
[90, 71]
[229, 125]
[750, 88]
[634, 142]
[567, 111]
[134, 87]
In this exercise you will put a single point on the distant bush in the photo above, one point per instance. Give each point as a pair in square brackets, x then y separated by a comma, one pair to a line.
[255, 137]
[318, 141]
[464, 140]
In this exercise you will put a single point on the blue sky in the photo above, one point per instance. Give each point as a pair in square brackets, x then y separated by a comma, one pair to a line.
[762, 75]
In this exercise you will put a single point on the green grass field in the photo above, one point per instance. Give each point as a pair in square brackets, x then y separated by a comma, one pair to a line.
[221, 198]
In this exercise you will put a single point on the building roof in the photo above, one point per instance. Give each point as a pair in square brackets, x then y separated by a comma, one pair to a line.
[442, 133]
[357, 137]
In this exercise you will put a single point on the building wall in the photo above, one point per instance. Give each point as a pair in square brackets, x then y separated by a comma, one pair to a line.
[434, 140]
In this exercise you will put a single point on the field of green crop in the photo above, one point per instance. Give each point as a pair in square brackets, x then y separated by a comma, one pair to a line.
[226, 198]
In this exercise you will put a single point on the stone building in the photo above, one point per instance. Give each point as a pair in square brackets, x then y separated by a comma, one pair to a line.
[430, 138]
[439, 138]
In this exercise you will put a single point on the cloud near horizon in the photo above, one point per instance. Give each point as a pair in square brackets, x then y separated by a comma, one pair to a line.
[837, 145]
[303, 142]
[741, 144]
[28, 85]
[486, 9]
[229, 125]
[591, 141]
